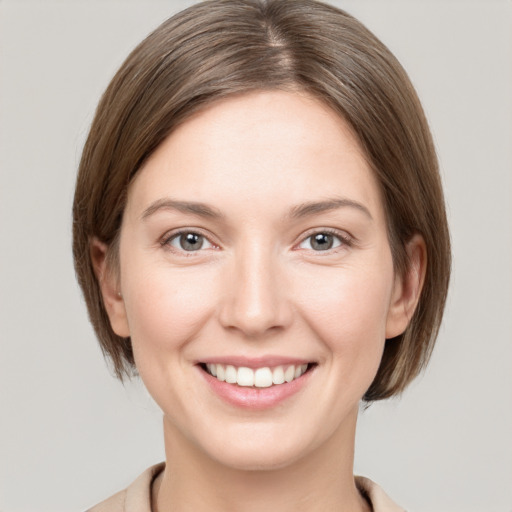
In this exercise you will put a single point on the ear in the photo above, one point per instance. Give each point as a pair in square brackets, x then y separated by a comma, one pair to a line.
[407, 288]
[110, 289]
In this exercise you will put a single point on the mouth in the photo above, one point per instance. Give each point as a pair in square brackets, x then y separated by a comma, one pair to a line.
[263, 377]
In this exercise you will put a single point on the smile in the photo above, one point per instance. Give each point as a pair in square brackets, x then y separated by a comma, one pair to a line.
[258, 377]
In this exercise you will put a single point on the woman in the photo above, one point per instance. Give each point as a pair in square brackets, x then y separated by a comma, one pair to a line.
[260, 234]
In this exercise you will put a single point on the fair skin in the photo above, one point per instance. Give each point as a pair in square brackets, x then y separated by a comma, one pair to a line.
[255, 236]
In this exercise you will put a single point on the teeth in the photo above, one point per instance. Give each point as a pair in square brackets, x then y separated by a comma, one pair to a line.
[212, 368]
[299, 370]
[289, 374]
[260, 378]
[263, 378]
[220, 371]
[245, 377]
[278, 375]
[231, 374]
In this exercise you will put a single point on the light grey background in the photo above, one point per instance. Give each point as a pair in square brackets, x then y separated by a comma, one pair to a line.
[70, 435]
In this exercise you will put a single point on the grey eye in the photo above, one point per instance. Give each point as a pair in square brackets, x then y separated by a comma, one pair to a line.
[321, 242]
[189, 242]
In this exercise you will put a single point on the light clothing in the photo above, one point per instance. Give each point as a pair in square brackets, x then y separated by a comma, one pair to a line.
[137, 497]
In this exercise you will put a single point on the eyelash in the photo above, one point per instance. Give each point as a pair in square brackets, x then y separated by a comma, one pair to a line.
[169, 237]
[344, 239]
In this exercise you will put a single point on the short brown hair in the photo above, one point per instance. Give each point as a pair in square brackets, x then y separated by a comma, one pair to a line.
[219, 48]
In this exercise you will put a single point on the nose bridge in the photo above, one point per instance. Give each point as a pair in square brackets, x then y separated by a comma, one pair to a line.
[256, 301]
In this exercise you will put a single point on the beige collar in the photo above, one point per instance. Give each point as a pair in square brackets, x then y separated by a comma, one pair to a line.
[137, 497]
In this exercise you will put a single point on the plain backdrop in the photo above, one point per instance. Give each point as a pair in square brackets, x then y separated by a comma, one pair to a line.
[71, 435]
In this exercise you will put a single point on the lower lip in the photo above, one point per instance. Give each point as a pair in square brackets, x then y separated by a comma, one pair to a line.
[255, 398]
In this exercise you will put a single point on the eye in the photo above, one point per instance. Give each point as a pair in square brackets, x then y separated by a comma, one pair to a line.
[323, 241]
[189, 241]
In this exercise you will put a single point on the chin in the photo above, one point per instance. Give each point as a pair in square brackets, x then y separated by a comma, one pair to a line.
[257, 459]
[257, 447]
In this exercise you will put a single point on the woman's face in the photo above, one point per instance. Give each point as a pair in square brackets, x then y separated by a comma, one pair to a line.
[254, 241]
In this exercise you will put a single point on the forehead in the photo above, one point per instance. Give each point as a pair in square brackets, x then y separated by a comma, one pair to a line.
[269, 148]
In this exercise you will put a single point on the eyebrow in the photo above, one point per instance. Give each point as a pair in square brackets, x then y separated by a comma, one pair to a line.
[313, 208]
[297, 212]
[191, 207]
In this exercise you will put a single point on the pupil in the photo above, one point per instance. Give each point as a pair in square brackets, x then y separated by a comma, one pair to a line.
[322, 242]
[191, 241]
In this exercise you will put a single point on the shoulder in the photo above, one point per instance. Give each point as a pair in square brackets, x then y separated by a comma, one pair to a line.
[135, 498]
[379, 500]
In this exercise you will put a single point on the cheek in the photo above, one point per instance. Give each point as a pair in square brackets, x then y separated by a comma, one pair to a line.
[165, 308]
[347, 309]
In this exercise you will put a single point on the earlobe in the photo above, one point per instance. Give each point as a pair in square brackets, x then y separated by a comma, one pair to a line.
[407, 288]
[110, 290]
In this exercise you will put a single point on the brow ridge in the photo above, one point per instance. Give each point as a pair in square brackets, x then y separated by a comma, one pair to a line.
[297, 212]
[192, 207]
[316, 207]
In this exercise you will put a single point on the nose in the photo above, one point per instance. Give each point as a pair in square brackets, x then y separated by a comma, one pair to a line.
[255, 294]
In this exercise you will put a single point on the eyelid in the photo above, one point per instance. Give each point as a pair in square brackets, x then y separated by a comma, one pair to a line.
[174, 233]
[345, 238]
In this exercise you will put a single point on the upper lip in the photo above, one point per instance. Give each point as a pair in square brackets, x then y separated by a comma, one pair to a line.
[255, 362]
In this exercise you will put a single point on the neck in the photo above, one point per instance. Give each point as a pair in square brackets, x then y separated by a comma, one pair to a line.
[320, 481]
